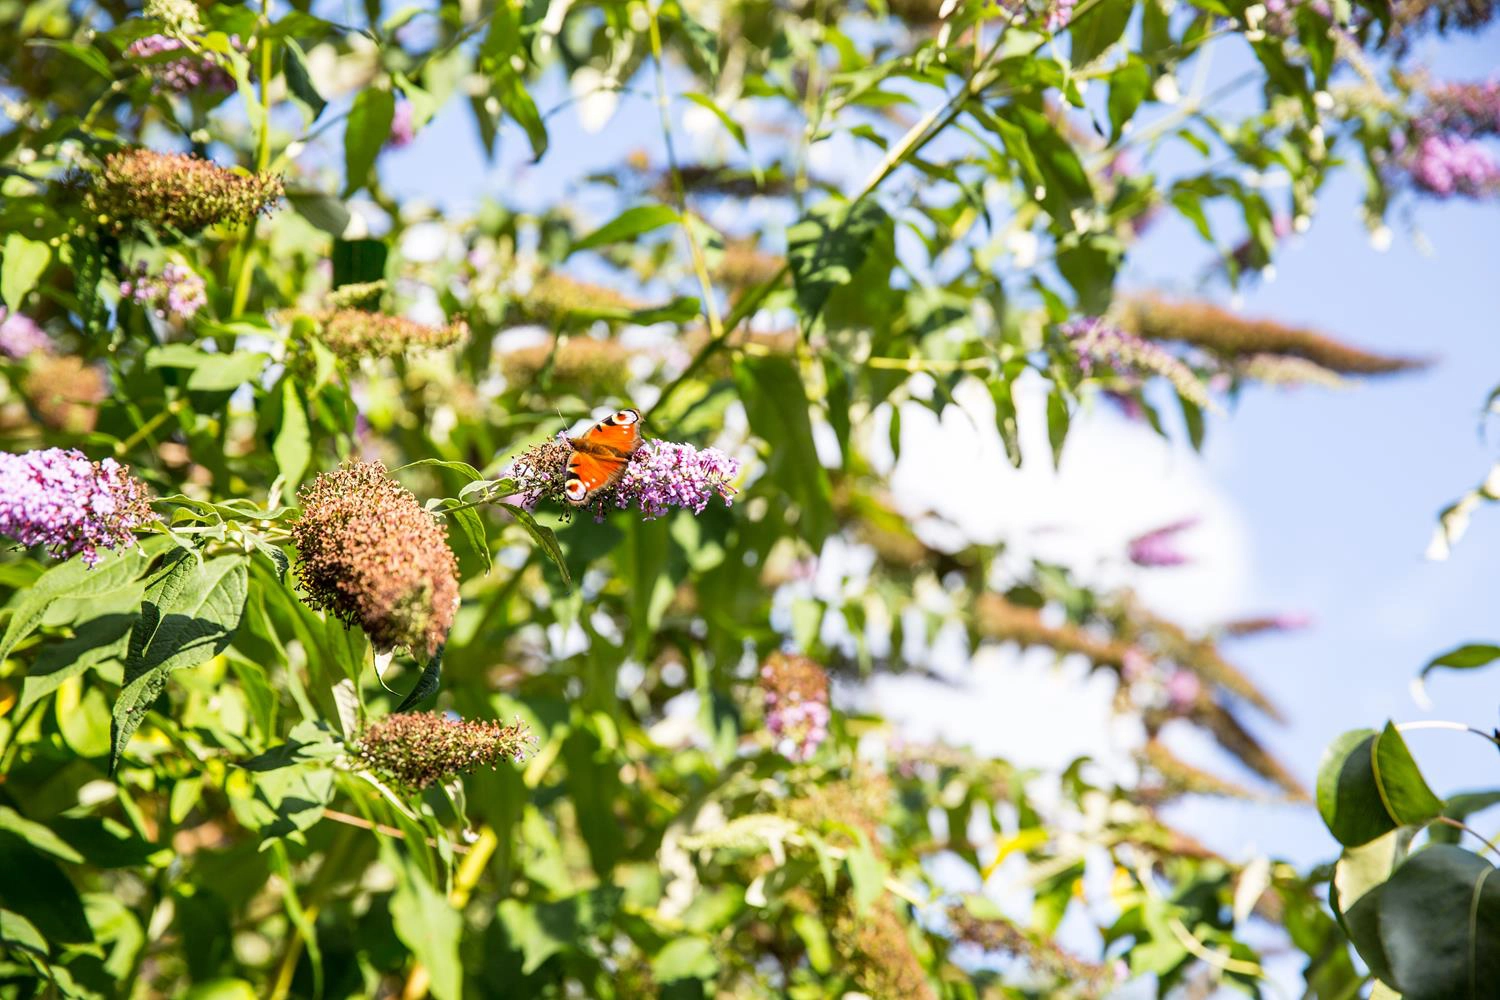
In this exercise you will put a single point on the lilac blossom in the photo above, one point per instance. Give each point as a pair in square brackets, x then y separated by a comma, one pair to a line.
[175, 293]
[663, 474]
[1158, 547]
[1450, 164]
[1099, 342]
[1467, 109]
[659, 476]
[189, 74]
[59, 499]
[21, 337]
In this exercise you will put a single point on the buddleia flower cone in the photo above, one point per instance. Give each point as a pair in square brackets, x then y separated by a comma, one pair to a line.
[417, 749]
[370, 555]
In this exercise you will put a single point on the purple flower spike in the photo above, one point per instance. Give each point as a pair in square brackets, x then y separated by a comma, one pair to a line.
[662, 475]
[1098, 342]
[1158, 547]
[189, 74]
[58, 498]
[796, 701]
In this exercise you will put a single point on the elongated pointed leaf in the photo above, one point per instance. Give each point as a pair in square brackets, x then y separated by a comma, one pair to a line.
[545, 537]
[427, 683]
[190, 613]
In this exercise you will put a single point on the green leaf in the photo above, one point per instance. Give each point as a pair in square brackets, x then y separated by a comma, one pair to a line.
[37, 835]
[367, 130]
[1467, 657]
[427, 924]
[517, 102]
[75, 579]
[1440, 925]
[1368, 784]
[324, 211]
[464, 469]
[292, 448]
[544, 537]
[1128, 86]
[1354, 892]
[866, 876]
[22, 265]
[627, 225]
[685, 957]
[221, 372]
[294, 65]
[358, 262]
[190, 613]
[427, 682]
[1057, 425]
[730, 125]
[828, 245]
[776, 401]
[541, 930]
[1461, 807]
[96, 641]
[1097, 29]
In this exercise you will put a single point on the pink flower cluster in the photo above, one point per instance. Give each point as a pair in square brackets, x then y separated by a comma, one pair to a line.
[59, 499]
[1443, 150]
[664, 474]
[20, 337]
[403, 130]
[1158, 547]
[175, 293]
[1451, 164]
[188, 74]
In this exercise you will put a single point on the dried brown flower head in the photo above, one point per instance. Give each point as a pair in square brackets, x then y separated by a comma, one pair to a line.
[65, 392]
[1173, 777]
[354, 333]
[554, 299]
[417, 749]
[175, 192]
[999, 936]
[595, 367]
[1230, 336]
[372, 556]
[744, 265]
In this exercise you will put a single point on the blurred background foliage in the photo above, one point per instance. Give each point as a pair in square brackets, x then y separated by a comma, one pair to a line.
[662, 834]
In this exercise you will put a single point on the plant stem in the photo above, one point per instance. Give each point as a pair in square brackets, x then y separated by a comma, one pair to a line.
[464, 881]
[700, 263]
[922, 132]
[262, 162]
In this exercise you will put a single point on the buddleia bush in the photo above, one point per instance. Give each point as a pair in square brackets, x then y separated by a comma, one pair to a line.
[323, 671]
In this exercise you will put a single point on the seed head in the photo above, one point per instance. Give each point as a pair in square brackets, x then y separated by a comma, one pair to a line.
[417, 749]
[65, 391]
[175, 193]
[354, 333]
[372, 556]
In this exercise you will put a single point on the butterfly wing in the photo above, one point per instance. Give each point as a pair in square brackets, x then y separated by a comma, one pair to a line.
[600, 456]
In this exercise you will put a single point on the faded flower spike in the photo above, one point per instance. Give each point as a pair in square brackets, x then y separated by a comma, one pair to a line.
[659, 476]
[60, 499]
[1099, 342]
[354, 333]
[417, 749]
[372, 556]
[175, 192]
[796, 702]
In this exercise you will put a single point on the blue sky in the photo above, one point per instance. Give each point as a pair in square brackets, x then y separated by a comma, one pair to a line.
[1335, 492]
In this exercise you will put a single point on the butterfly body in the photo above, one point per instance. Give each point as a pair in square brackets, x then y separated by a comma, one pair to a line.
[600, 455]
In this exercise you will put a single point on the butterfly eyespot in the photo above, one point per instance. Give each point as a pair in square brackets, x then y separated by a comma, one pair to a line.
[575, 489]
[626, 417]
